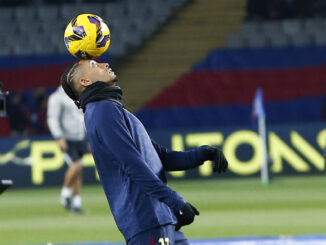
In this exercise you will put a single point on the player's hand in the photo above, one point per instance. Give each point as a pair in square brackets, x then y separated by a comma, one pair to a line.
[186, 215]
[216, 155]
[62, 144]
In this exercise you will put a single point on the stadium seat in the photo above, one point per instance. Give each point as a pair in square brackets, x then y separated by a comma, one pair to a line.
[292, 27]
[250, 28]
[160, 9]
[112, 11]
[236, 41]
[67, 11]
[50, 29]
[3, 39]
[146, 25]
[320, 38]
[29, 28]
[271, 27]
[45, 47]
[136, 39]
[6, 15]
[93, 8]
[7, 33]
[22, 14]
[47, 13]
[259, 40]
[5, 50]
[60, 47]
[300, 39]
[280, 33]
[117, 50]
[323, 23]
[117, 47]
[279, 40]
[42, 23]
[55, 39]
[21, 46]
[313, 26]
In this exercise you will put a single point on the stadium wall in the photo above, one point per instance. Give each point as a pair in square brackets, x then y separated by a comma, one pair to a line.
[30, 72]
[294, 149]
[219, 90]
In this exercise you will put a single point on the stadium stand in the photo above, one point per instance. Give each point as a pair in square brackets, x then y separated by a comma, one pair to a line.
[198, 28]
[181, 36]
[33, 40]
[290, 32]
[282, 55]
[281, 23]
[37, 26]
[292, 80]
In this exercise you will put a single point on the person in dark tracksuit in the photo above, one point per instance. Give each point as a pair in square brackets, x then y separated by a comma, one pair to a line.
[131, 166]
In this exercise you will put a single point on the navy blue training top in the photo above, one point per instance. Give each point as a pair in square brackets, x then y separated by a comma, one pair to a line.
[130, 167]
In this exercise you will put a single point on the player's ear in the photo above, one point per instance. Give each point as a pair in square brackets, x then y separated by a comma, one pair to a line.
[84, 81]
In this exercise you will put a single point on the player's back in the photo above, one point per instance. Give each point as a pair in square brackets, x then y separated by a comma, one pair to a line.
[121, 148]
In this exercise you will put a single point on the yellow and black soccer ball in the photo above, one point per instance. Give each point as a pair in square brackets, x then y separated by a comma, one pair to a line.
[87, 36]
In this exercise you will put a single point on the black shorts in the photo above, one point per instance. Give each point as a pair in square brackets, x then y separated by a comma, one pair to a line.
[75, 151]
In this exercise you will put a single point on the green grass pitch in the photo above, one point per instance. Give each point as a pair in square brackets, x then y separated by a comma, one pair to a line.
[229, 208]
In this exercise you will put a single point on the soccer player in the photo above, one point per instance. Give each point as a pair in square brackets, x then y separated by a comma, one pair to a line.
[66, 123]
[130, 165]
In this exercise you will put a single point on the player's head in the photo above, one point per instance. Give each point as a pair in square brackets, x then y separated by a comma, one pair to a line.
[78, 76]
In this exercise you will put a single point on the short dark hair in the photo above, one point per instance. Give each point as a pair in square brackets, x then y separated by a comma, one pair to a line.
[67, 81]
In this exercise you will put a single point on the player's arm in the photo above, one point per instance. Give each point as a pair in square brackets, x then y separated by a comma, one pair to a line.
[183, 160]
[114, 133]
[53, 115]
[179, 160]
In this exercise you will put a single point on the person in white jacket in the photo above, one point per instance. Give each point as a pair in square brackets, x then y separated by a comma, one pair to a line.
[66, 124]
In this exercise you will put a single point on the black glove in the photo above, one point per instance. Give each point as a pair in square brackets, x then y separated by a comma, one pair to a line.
[186, 215]
[216, 155]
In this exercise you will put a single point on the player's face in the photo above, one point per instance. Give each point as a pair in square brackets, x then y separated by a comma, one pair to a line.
[93, 71]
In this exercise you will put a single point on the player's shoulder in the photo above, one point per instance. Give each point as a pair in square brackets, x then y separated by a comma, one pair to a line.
[103, 113]
[108, 105]
[57, 93]
[60, 97]
[105, 109]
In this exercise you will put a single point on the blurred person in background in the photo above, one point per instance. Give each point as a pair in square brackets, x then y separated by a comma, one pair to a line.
[17, 115]
[66, 124]
[38, 118]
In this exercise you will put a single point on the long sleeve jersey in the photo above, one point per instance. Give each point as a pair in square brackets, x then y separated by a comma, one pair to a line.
[130, 167]
[65, 120]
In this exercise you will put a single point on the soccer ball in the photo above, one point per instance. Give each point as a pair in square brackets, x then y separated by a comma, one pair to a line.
[87, 36]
